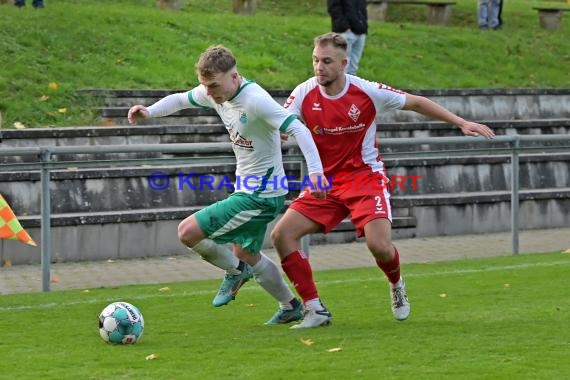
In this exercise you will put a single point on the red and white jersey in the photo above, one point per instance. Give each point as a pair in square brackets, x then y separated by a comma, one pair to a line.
[343, 126]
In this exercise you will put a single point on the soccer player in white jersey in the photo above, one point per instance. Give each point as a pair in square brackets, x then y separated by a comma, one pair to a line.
[340, 111]
[254, 122]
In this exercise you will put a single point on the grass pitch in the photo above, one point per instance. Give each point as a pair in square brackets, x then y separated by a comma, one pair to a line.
[500, 318]
[46, 55]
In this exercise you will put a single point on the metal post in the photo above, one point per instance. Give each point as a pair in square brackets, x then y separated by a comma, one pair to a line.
[45, 157]
[515, 195]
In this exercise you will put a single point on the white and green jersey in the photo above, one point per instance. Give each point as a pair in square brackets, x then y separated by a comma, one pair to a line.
[253, 120]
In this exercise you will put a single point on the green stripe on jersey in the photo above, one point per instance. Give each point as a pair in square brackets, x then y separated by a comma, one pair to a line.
[195, 103]
[286, 123]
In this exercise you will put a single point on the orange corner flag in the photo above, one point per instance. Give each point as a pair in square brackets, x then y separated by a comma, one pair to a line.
[10, 227]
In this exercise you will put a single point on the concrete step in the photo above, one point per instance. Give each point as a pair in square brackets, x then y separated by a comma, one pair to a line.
[479, 197]
[147, 233]
[479, 173]
[484, 212]
[475, 104]
[139, 234]
[122, 188]
[158, 214]
[118, 116]
[177, 133]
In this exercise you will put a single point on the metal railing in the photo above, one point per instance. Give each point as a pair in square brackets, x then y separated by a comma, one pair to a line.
[501, 145]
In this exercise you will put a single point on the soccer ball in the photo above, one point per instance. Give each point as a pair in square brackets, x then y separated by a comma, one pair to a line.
[121, 323]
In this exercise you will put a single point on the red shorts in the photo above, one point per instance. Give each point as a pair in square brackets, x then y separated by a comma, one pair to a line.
[364, 197]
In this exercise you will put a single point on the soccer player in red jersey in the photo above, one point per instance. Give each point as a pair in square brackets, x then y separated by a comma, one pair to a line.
[340, 111]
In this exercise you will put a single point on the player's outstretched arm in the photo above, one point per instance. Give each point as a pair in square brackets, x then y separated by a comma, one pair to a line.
[433, 110]
[165, 106]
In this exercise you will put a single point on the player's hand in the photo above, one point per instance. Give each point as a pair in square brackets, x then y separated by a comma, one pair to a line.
[284, 138]
[137, 112]
[320, 186]
[475, 129]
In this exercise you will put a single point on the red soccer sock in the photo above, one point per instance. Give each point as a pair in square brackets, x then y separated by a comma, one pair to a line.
[392, 268]
[298, 269]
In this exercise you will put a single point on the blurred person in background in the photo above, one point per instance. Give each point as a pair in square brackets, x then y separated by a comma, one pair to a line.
[490, 14]
[350, 18]
[35, 3]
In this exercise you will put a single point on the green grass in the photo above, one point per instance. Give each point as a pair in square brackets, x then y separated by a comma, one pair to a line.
[132, 44]
[500, 318]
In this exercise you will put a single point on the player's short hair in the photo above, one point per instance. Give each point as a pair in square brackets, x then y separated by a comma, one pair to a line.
[334, 39]
[214, 60]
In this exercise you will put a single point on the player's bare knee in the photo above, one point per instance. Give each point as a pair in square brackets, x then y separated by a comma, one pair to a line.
[380, 249]
[185, 234]
[277, 235]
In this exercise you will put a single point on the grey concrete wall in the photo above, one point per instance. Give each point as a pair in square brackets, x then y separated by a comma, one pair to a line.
[100, 190]
[495, 107]
[490, 217]
[160, 134]
[159, 238]
[482, 105]
[117, 215]
[483, 173]
[99, 242]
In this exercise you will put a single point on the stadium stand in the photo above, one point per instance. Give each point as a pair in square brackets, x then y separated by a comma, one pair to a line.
[107, 212]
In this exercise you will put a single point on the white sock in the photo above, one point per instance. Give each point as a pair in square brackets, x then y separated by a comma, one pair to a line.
[315, 304]
[398, 284]
[218, 255]
[268, 276]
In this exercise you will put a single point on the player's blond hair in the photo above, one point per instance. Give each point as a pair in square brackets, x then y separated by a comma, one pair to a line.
[334, 39]
[216, 59]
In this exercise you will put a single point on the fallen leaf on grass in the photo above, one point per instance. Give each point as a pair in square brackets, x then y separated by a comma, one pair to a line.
[44, 98]
[53, 86]
[19, 125]
[62, 110]
[165, 289]
[151, 357]
[249, 305]
[307, 342]
[336, 349]
[443, 295]
[506, 285]
[567, 251]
